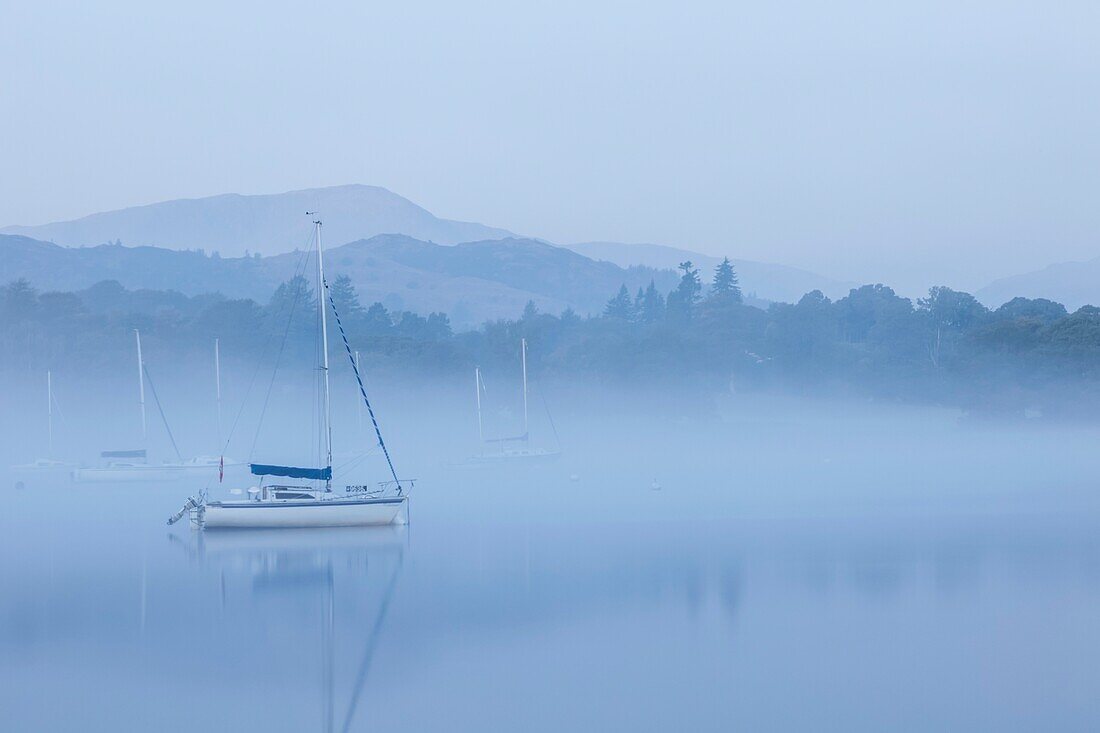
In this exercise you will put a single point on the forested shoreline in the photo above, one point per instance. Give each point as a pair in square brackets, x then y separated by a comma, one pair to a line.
[1024, 357]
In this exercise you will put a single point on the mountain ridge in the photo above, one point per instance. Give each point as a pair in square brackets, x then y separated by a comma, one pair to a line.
[1073, 284]
[234, 224]
[472, 282]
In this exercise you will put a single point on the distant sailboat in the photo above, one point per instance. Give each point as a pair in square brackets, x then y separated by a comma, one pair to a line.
[513, 449]
[132, 464]
[218, 464]
[284, 504]
[48, 466]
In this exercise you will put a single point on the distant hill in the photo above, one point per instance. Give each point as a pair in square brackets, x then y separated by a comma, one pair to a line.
[767, 281]
[1073, 284]
[232, 224]
[472, 282]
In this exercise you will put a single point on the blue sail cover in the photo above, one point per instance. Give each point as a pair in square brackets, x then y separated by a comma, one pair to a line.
[317, 474]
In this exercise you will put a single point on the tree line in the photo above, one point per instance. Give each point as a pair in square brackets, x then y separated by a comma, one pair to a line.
[945, 348]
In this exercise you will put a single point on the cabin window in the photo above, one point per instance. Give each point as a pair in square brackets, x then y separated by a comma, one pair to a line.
[292, 495]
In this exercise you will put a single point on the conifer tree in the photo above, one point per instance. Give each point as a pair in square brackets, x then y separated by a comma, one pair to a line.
[345, 297]
[653, 305]
[683, 300]
[620, 307]
[725, 285]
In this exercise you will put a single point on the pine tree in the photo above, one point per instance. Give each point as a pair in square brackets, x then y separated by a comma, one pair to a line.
[620, 307]
[683, 300]
[653, 305]
[346, 298]
[725, 285]
[530, 310]
[18, 298]
[377, 319]
[294, 295]
[439, 326]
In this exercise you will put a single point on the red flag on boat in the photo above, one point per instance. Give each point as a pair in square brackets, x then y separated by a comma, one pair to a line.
[221, 468]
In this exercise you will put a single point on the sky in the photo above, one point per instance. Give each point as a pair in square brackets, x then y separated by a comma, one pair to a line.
[911, 143]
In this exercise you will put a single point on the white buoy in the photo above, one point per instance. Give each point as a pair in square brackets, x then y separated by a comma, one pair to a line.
[574, 477]
[655, 486]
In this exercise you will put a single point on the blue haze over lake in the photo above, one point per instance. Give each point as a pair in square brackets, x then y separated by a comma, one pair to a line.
[882, 570]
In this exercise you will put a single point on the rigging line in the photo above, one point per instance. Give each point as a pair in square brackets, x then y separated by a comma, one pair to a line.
[153, 389]
[279, 357]
[362, 389]
[56, 404]
[244, 403]
[300, 267]
[353, 462]
[550, 417]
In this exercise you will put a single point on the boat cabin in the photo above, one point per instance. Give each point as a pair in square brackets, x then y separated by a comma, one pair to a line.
[285, 493]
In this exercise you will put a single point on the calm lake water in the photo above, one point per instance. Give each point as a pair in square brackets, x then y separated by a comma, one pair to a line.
[788, 575]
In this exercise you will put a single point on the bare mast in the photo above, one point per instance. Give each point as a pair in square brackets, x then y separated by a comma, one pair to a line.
[141, 388]
[218, 386]
[523, 351]
[477, 387]
[49, 411]
[322, 295]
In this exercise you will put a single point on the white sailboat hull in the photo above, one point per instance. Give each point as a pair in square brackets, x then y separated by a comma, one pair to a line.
[321, 513]
[518, 456]
[129, 473]
[44, 468]
[192, 469]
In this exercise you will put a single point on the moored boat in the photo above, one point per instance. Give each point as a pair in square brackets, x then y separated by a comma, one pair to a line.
[512, 449]
[314, 504]
[299, 506]
[49, 467]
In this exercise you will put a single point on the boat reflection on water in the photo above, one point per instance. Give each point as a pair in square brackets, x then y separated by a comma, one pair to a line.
[350, 573]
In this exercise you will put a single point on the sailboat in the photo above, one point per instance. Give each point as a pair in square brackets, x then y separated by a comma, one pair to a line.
[284, 504]
[131, 464]
[48, 466]
[513, 449]
[209, 465]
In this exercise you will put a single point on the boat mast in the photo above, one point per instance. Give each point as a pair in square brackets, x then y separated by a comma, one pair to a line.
[523, 352]
[324, 352]
[49, 410]
[141, 386]
[477, 387]
[218, 385]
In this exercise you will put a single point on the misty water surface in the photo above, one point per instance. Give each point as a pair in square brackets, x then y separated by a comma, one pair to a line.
[801, 567]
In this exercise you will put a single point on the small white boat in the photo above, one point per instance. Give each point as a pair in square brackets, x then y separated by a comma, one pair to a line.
[311, 505]
[42, 469]
[271, 507]
[128, 470]
[505, 453]
[515, 455]
[207, 465]
[46, 467]
[131, 465]
[43, 464]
